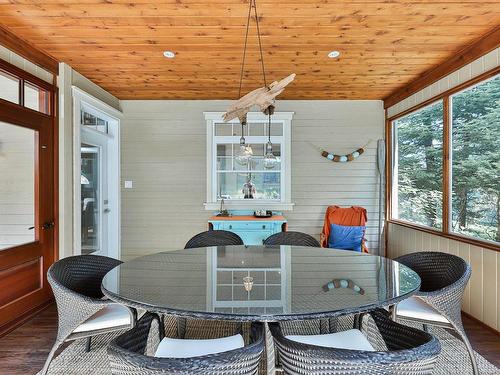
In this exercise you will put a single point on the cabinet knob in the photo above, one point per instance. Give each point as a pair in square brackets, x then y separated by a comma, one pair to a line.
[264, 226]
[230, 227]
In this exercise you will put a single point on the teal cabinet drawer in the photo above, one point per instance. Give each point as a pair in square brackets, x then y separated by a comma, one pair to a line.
[252, 232]
[243, 226]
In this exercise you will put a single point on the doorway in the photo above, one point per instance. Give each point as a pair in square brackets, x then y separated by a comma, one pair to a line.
[27, 194]
[97, 178]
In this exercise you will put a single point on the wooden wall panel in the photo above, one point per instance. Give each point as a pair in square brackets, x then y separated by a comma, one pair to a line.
[119, 44]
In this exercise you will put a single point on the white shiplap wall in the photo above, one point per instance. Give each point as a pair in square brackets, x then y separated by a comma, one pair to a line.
[163, 146]
[482, 298]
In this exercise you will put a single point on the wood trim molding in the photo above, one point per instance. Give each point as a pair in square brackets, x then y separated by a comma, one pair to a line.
[28, 51]
[20, 320]
[26, 76]
[482, 324]
[450, 236]
[482, 77]
[485, 44]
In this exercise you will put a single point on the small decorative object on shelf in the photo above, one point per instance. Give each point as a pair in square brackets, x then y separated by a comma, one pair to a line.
[248, 188]
[263, 213]
[223, 212]
[342, 158]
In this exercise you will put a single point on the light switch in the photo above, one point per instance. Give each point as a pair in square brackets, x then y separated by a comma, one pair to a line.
[129, 184]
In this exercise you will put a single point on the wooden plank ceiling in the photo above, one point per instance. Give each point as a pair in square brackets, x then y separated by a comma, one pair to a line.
[118, 44]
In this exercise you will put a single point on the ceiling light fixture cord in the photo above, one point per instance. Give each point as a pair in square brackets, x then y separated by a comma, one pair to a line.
[269, 126]
[260, 43]
[245, 48]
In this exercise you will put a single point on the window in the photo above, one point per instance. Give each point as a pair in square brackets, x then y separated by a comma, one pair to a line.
[36, 98]
[475, 150]
[33, 96]
[226, 177]
[10, 87]
[445, 160]
[418, 168]
[92, 120]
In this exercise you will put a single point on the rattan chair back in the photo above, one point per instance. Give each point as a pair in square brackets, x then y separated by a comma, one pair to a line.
[214, 238]
[292, 239]
[131, 354]
[409, 351]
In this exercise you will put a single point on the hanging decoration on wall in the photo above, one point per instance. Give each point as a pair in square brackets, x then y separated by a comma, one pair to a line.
[343, 158]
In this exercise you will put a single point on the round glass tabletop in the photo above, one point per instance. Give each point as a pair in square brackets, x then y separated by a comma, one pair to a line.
[258, 283]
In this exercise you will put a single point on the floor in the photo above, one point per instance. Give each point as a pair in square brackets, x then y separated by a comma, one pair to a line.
[23, 351]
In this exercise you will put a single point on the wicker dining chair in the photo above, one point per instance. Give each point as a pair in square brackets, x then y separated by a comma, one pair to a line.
[132, 354]
[82, 310]
[444, 278]
[214, 238]
[291, 238]
[405, 351]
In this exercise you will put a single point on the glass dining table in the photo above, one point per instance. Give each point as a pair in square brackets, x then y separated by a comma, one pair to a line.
[260, 283]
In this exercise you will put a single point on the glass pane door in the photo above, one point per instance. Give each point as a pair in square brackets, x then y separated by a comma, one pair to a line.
[17, 185]
[90, 199]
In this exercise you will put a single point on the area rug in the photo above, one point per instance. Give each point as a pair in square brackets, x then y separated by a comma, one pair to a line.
[453, 359]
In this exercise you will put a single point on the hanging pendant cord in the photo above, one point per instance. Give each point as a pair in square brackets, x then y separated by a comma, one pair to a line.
[253, 4]
[260, 43]
[245, 49]
[269, 127]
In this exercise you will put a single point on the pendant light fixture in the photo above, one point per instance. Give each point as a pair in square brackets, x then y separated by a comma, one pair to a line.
[245, 152]
[270, 159]
[264, 97]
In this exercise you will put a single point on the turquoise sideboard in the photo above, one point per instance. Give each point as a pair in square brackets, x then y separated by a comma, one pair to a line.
[252, 230]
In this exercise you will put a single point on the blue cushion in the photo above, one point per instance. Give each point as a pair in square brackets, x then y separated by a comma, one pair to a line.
[346, 237]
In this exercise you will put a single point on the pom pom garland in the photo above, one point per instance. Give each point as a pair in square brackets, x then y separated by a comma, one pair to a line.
[343, 158]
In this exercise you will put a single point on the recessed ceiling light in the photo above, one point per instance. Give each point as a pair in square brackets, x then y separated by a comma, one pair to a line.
[169, 54]
[334, 54]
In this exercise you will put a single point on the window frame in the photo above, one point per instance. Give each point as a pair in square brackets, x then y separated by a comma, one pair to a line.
[285, 203]
[29, 79]
[446, 230]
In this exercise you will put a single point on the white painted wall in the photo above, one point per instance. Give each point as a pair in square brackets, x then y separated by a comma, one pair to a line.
[482, 298]
[164, 149]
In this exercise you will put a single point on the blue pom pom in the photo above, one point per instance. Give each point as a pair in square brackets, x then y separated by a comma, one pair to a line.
[344, 283]
[343, 159]
[355, 154]
[329, 157]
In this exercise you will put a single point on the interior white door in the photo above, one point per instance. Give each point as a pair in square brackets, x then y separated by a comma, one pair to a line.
[94, 192]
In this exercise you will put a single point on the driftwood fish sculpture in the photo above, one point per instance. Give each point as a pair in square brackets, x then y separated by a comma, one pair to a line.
[262, 97]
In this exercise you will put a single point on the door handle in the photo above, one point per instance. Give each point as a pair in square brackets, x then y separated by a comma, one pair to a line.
[48, 225]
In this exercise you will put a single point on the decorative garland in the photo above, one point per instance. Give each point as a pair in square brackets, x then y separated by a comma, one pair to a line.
[343, 158]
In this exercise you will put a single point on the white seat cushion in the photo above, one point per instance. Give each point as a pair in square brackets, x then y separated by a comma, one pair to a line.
[114, 315]
[184, 348]
[416, 308]
[352, 339]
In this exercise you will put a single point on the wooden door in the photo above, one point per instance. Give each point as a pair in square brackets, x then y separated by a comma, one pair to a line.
[27, 209]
